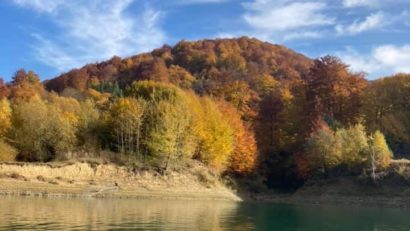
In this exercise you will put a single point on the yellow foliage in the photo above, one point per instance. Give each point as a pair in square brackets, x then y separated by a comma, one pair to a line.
[215, 135]
[7, 152]
[381, 150]
[243, 158]
[126, 120]
[354, 144]
[5, 117]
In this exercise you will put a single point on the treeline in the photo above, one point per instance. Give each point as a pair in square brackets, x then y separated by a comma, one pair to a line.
[238, 105]
[156, 123]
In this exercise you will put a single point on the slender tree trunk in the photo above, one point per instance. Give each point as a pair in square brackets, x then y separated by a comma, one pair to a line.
[373, 167]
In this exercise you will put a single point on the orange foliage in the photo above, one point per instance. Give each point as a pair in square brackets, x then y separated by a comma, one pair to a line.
[4, 91]
[25, 86]
[244, 156]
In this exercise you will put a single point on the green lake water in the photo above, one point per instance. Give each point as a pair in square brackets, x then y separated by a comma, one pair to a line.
[18, 213]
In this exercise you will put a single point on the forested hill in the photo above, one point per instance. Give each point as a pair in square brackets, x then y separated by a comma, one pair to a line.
[240, 106]
[194, 65]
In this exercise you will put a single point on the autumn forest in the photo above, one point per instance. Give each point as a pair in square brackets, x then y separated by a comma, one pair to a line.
[243, 107]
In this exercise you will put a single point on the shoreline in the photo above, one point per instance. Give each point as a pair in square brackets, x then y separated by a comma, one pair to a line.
[342, 200]
[84, 180]
[195, 182]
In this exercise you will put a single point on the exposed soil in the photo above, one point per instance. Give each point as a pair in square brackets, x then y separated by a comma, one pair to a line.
[109, 180]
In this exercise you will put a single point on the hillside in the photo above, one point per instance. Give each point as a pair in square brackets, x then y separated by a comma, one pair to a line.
[267, 116]
[193, 65]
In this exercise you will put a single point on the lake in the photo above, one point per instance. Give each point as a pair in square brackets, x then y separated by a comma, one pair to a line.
[19, 213]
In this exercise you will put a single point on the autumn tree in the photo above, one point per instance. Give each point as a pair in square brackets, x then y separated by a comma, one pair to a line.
[265, 84]
[213, 133]
[353, 145]
[279, 122]
[332, 90]
[126, 116]
[167, 127]
[78, 79]
[154, 91]
[349, 146]
[244, 156]
[167, 133]
[180, 77]
[5, 117]
[83, 116]
[41, 131]
[155, 70]
[25, 86]
[4, 91]
[379, 153]
[387, 108]
[323, 150]
[7, 152]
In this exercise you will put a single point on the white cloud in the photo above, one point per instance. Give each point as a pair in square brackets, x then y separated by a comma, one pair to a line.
[396, 57]
[189, 2]
[303, 35]
[372, 3]
[53, 55]
[373, 21]
[95, 30]
[382, 60]
[358, 3]
[359, 62]
[48, 6]
[276, 16]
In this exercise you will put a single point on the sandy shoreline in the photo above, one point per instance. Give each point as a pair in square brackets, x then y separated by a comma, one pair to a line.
[85, 180]
[82, 180]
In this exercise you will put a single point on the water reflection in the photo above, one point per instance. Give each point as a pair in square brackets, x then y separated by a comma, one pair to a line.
[80, 214]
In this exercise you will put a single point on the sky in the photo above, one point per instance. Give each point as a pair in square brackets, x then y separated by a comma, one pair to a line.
[54, 36]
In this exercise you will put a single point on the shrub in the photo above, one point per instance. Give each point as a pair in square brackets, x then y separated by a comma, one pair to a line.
[7, 152]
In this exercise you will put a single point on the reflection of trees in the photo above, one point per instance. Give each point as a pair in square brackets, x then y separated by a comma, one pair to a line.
[29, 213]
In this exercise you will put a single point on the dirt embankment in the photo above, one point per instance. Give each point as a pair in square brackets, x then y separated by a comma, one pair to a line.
[391, 188]
[109, 180]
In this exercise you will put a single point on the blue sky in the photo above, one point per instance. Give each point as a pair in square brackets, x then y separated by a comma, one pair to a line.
[53, 36]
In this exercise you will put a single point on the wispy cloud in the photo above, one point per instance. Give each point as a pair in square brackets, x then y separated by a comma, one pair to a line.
[372, 3]
[47, 6]
[359, 3]
[303, 35]
[285, 19]
[94, 30]
[190, 2]
[371, 22]
[285, 16]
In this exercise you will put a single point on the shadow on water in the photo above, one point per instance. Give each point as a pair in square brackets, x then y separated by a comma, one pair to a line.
[82, 214]
[325, 217]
